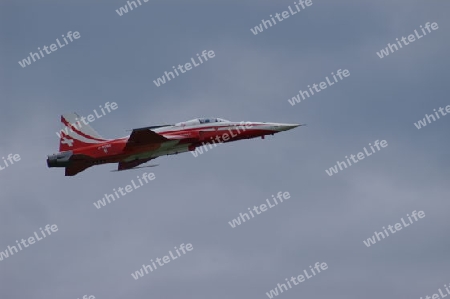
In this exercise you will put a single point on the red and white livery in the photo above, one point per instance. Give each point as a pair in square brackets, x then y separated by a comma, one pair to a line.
[82, 147]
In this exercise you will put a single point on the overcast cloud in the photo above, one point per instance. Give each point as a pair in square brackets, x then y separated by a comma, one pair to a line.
[192, 199]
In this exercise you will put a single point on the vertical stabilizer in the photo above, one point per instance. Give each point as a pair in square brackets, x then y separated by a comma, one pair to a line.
[76, 133]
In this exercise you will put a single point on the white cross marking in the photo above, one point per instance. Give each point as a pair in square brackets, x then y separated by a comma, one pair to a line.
[69, 142]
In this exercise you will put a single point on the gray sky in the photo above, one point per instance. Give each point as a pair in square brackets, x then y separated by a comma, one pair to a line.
[192, 199]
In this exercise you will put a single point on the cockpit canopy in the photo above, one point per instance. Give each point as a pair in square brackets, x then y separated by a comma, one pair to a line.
[212, 120]
[198, 121]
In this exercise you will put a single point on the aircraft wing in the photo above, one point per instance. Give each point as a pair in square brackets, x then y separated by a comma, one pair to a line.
[143, 136]
[129, 165]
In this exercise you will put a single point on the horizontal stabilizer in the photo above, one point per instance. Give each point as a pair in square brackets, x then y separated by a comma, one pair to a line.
[76, 168]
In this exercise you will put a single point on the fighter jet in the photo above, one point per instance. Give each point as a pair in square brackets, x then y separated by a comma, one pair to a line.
[81, 146]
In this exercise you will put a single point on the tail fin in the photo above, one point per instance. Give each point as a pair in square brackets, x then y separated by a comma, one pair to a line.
[76, 133]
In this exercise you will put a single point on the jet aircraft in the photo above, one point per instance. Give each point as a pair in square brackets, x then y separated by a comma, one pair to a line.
[81, 146]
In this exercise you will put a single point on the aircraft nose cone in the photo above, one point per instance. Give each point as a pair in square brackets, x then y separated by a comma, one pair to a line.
[285, 127]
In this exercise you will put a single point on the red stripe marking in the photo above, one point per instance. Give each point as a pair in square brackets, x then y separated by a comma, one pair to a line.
[65, 122]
